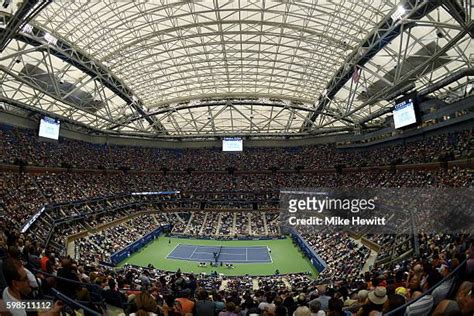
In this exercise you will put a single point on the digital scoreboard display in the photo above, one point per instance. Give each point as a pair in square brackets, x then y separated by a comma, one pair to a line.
[232, 144]
[49, 128]
[404, 113]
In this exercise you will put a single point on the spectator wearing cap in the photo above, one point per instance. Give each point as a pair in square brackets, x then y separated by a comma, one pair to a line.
[362, 296]
[442, 290]
[376, 301]
[402, 291]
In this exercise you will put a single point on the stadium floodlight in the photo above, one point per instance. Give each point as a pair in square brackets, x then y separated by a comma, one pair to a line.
[50, 39]
[27, 28]
[398, 14]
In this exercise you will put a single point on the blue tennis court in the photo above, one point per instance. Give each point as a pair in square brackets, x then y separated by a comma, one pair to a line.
[255, 254]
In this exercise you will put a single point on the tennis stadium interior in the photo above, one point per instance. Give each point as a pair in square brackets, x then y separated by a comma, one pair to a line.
[236, 157]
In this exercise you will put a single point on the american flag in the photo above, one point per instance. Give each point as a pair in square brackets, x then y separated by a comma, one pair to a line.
[356, 74]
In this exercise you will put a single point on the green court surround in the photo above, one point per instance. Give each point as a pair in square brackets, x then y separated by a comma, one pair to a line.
[286, 257]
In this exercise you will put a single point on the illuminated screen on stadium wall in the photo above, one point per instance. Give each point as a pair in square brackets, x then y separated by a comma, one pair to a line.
[49, 128]
[232, 144]
[404, 113]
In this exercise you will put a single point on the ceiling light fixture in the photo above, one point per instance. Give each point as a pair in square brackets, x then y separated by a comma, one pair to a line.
[399, 13]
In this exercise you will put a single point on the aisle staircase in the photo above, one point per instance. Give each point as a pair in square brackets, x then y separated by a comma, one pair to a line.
[265, 224]
[233, 230]
[250, 223]
[188, 225]
[201, 231]
[219, 222]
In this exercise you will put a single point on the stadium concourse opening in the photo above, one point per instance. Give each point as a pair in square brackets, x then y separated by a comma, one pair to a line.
[237, 158]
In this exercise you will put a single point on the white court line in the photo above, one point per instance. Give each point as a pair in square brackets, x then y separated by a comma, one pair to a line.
[233, 261]
[173, 250]
[203, 252]
[232, 254]
[195, 248]
[228, 254]
[269, 254]
[181, 258]
[251, 261]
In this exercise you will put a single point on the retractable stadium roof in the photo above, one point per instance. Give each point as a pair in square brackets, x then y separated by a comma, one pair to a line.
[211, 68]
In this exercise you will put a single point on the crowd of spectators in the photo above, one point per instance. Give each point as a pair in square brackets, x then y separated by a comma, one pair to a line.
[195, 224]
[243, 227]
[343, 256]
[341, 288]
[226, 224]
[100, 246]
[18, 145]
[21, 195]
[257, 226]
[272, 220]
[149, 290]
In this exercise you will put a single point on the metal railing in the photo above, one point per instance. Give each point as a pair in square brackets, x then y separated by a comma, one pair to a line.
[454, 275]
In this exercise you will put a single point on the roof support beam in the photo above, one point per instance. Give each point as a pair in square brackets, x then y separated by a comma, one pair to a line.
[31, 109]
[387, 30]
[407, 75]
[27, 10]
[460, 14]
[44, 91]
[89, 66]
[132, 119]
